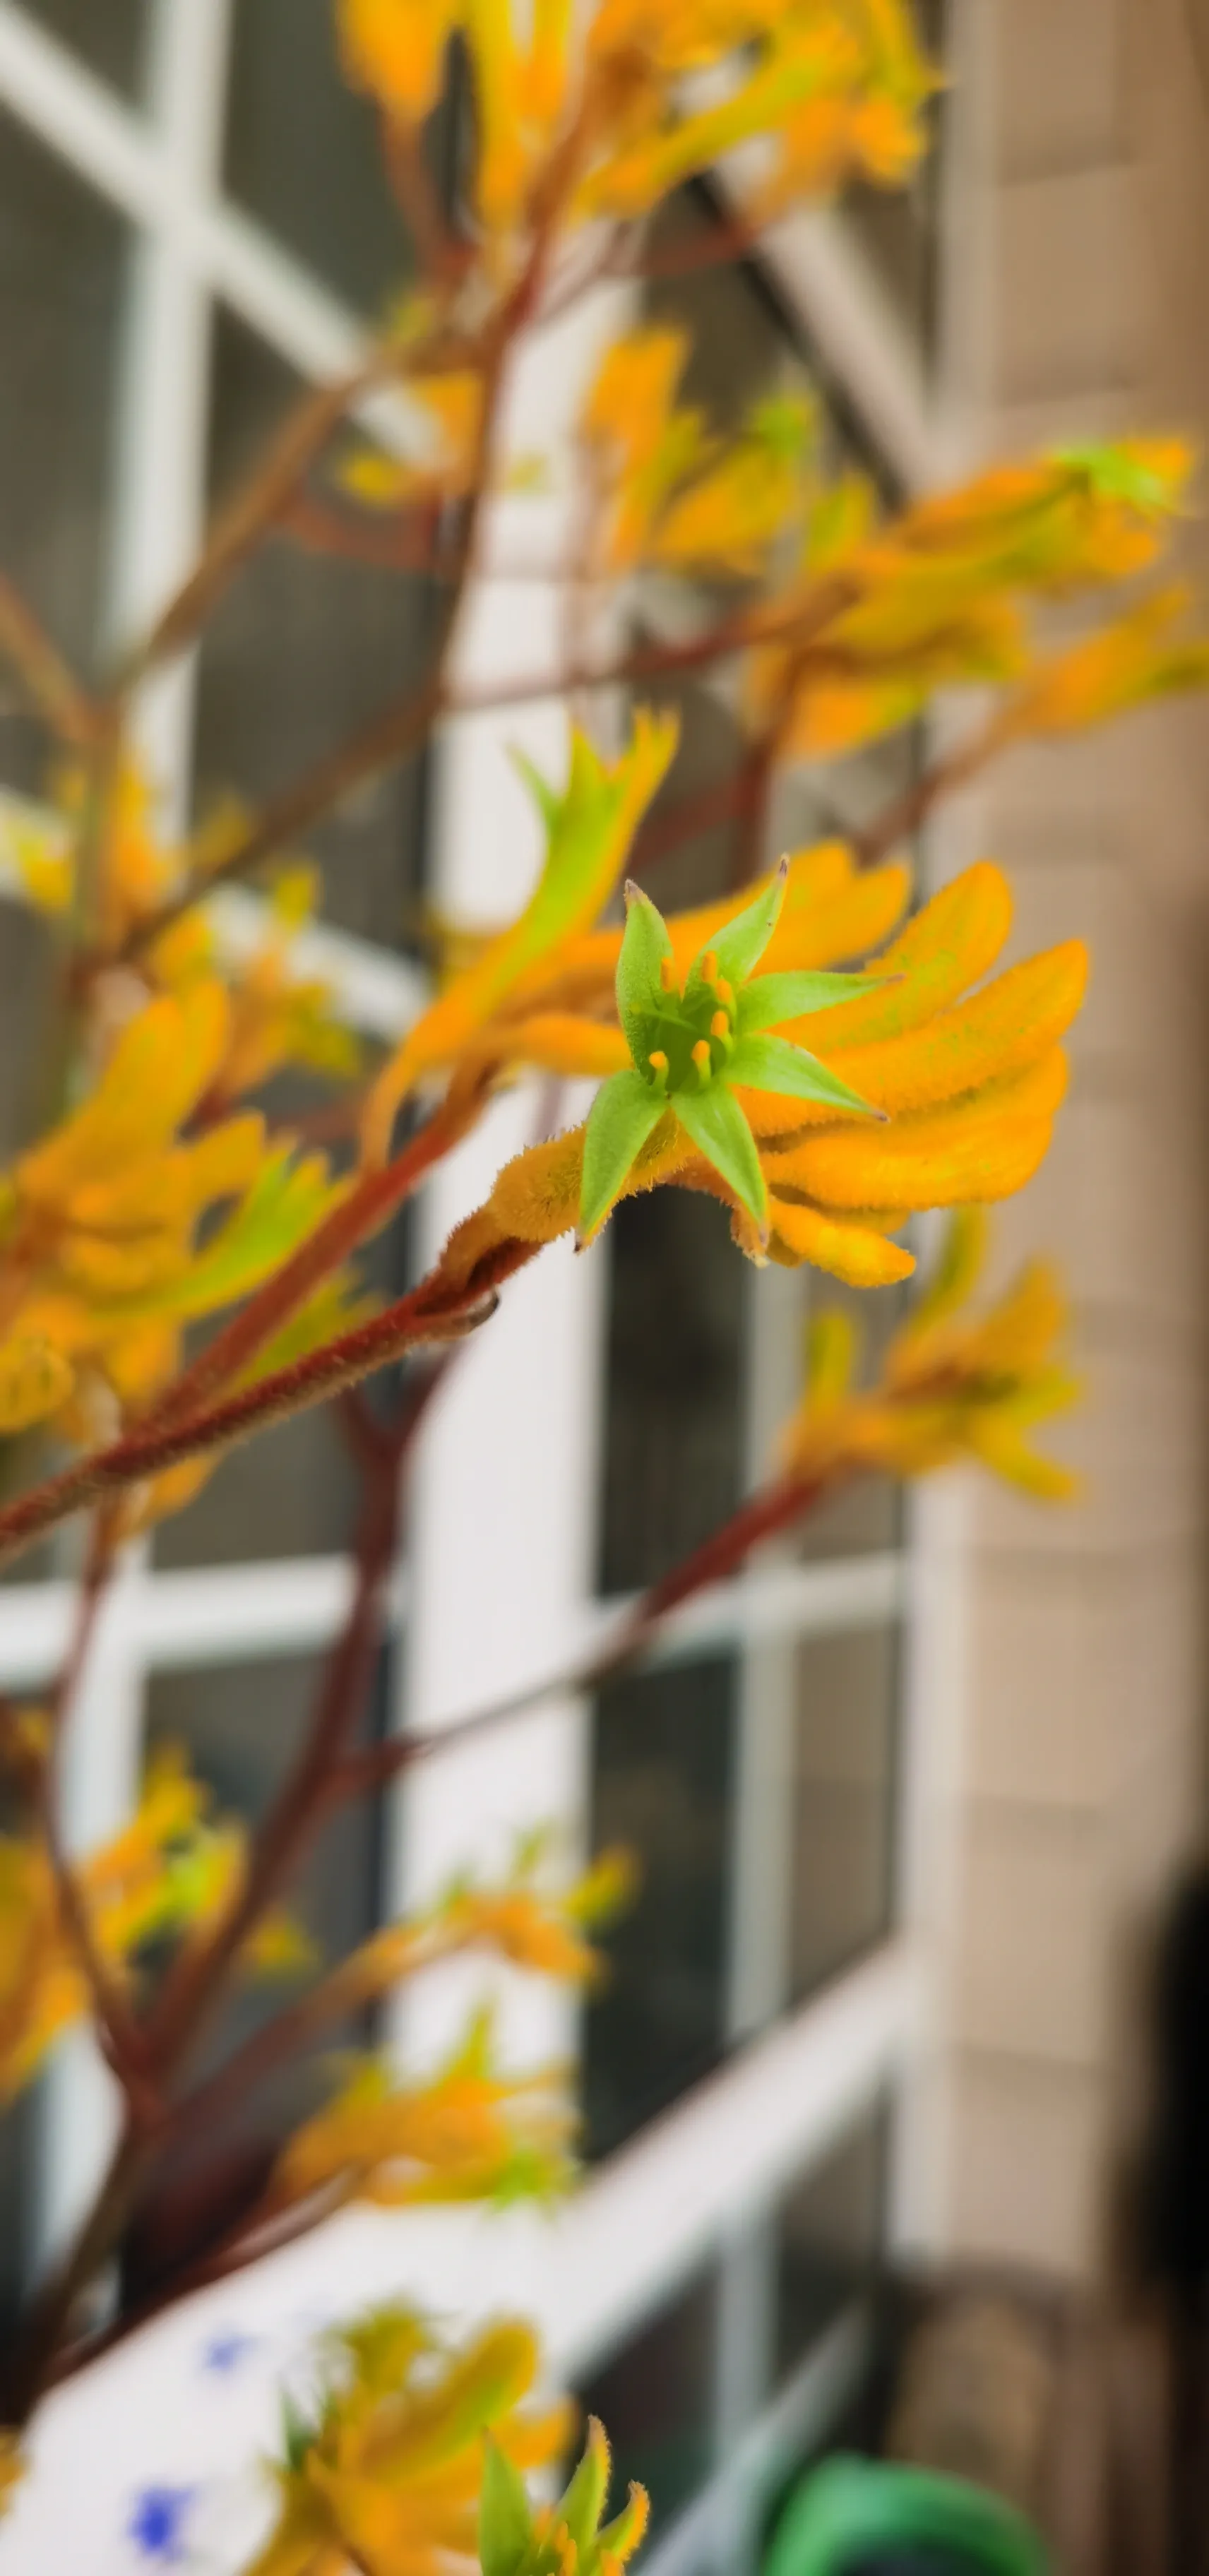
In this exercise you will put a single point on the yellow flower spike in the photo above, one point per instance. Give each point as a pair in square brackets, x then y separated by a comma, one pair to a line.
[857, 1254]
[833, 913]
[35, 1380]
[165, 1873]
[957, 1271]
[971, 1087]
[100, 1263]
[996, 1031]
[396, 50]
[589, 830]
[12, 2469]
[566, 2539]
[502, 161]
[389, 2469]
[1139, 658]
[950, 943]
[954, 1386]
[471, 2131]
[985, 1146]
[640, 443]
[446, 464]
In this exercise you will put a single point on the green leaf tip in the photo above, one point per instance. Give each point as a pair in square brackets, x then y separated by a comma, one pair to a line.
[691, 1045]
[505, 2519]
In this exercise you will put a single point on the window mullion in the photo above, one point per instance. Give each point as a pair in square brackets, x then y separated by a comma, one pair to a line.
[158, 518]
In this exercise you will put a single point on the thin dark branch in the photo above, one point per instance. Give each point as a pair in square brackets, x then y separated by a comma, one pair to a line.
[773, 1509]
[246, 2245]
[374, 1198]
[116, 2027]
[197, 1979]
[49, 682]
[907, 813]
[422, 1317]
[399, 730]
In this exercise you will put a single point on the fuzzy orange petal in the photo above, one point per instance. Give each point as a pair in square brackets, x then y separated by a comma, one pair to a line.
[979, 1148]
[852, 1252]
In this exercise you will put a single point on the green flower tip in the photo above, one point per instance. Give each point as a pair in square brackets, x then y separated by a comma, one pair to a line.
[692, 1045]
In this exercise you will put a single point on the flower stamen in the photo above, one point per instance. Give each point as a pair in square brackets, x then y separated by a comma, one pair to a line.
[703, 1060]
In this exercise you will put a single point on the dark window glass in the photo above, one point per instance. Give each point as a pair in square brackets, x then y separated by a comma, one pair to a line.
[843, 1793]
[110, 34]
[741, 340]
[18, 2183]
[20, 2137]
[290, 1492]
[62, 272]
[294, 1490]
[827, 2238]
[674, 1384]
[242, 1727]
[302, 650]
[304, 152]
[898, 229]
[655, 2398]
[662, 1772]
[27, 989]
[701, 865]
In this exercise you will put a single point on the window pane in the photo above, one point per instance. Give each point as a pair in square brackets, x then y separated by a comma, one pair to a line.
[110, 34]
[304, 152]
[19, 2143]
[843, 1797]
[740, 337]
[62, 269]
[898, 229]
[655, 2398]
[290, 1492]
[294, 1490]
[827, 2239]
[303, 649]
[663, 1768]
[674, 1385]
[20, 2138]
[242, 1726]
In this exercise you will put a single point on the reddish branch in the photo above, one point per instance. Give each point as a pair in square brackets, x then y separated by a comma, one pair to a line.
[774, 1508]
[317, 1782]
[52, 687]
[199, 1976]
[426, 1315]
[399, 730]
[373, 1198]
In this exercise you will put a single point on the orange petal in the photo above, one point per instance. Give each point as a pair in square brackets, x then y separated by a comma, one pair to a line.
[852, 1252]
[996, 1032]
[982, 1147]
[558, 1041]
[947, 947]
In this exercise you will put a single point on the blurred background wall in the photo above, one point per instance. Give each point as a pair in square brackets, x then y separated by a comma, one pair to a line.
[1081, 311]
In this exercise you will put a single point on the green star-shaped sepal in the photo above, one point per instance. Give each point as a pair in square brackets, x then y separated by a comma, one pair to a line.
[693, 1045]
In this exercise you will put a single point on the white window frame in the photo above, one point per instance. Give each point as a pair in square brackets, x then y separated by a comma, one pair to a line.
[494, 1596]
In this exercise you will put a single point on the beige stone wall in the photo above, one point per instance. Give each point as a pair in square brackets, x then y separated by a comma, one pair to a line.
[1084, 1740]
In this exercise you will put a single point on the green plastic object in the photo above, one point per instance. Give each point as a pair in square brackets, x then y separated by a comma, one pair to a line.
[852, 2510]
